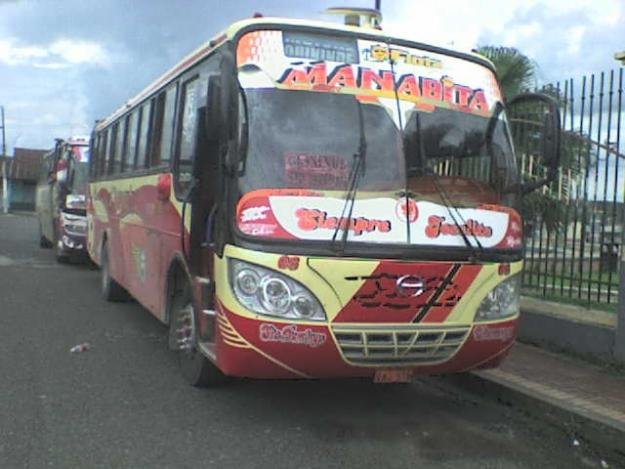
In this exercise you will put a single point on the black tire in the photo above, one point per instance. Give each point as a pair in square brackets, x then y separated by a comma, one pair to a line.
[61, 257]
[110, 289]
[44, 243]
[194, 366]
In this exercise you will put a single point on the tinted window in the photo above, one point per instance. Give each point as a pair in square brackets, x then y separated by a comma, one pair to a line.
[143, 136]
[119, 147]
[186, 141]
[111, 148]
[168, 124]
[102, 153]
[157, 128]
[93, 163]
[131, 140]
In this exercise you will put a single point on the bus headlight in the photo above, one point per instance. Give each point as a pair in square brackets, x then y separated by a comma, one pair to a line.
[265, 291]
[502, 301]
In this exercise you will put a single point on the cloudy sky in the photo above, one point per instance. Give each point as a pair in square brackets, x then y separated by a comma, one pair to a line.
[65, 63]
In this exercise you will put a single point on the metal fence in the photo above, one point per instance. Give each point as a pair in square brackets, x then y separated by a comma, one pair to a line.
[575, 228]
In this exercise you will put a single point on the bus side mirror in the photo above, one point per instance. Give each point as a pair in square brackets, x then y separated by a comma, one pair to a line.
[535, 126]
[222, 107]
[213, 123]
[61, 171]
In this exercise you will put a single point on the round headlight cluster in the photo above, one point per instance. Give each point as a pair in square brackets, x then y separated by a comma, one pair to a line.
[275, 295]
[268, 292]
[247, 281]
[502, 301]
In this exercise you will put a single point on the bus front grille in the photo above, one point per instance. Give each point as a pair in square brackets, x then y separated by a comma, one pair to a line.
[391, 345]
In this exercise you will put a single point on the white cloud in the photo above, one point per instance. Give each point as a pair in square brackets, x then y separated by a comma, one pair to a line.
[80, 52]
[454, 24]
[12, 54]
[60, 54]
[575, 36]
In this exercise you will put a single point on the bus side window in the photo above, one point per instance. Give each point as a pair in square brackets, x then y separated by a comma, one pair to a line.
[93, 161]
[158, 106]
[102, 153]
[119, 146]
[111, 148]
[186, 134]
[168, 124]
[144, 130]
[130, 148]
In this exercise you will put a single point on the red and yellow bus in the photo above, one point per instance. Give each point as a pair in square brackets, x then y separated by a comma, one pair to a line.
[298, 199]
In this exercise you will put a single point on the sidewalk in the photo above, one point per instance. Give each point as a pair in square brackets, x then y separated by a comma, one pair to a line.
[587, 400]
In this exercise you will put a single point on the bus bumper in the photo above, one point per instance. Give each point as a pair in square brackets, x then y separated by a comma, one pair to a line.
[268, 349]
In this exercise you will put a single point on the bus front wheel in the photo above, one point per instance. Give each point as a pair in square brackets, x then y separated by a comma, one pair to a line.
[195, 367]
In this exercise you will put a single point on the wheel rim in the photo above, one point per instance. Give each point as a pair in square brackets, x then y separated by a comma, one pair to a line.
[185, 330]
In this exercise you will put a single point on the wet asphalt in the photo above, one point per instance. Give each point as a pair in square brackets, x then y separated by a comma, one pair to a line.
[123, 403]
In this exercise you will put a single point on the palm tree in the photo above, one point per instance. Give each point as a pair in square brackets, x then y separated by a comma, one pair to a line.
[516, 72]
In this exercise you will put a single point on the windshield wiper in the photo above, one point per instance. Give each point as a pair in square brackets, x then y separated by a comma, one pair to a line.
[445, 197]
[356, 172]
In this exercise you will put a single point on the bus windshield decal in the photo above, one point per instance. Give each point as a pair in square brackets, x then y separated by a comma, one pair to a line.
[374, 220]
[319, 47]
[430, 92]
[315, 170]
[311, 62]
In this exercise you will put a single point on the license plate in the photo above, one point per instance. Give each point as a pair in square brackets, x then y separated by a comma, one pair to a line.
[392, 376]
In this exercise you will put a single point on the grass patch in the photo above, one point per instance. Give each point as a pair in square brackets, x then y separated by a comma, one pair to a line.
[583, 302]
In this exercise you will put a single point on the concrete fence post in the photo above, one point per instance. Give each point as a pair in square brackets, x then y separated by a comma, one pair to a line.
[619, 340]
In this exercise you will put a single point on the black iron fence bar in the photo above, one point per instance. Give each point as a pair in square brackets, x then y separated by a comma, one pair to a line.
[610, 245]
[557, 231]
[595, 204]
[585, 182]
[577, 184]
[567, 206]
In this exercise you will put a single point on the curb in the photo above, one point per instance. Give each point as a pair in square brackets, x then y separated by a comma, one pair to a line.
[591, 340]
[586, 420]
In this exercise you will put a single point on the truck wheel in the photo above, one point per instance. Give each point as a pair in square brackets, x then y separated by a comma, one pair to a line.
[195, 367]
[111, 290]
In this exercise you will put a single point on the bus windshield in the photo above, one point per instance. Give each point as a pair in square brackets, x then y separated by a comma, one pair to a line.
[79, 166]
[413, 152]
[308, 140]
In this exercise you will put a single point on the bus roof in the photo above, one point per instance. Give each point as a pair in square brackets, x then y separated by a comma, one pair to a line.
[205, 49]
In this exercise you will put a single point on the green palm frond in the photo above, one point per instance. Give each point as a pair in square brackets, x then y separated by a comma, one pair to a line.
[516, 72]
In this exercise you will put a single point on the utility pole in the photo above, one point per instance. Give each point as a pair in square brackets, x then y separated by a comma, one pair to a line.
[4, 137]
[5, 180]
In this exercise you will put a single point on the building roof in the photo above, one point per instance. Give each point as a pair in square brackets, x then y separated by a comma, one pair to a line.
[25, 163]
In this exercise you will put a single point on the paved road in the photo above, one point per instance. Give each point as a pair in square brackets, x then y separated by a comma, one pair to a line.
[123, 403]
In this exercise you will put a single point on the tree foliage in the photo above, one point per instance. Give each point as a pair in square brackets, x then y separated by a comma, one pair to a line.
[515, 71]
